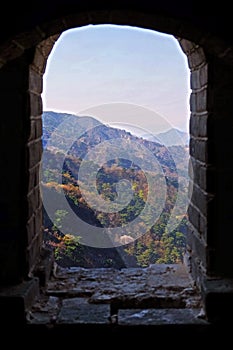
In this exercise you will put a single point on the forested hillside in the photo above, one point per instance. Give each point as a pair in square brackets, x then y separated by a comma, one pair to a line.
[149, 240]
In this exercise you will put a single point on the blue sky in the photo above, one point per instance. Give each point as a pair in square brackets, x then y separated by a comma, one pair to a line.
[119, 74]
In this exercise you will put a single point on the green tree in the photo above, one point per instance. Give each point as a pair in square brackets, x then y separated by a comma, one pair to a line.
[60, 214]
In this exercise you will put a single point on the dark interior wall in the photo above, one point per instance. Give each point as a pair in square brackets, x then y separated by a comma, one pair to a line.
[168, 16]
[22, 65]
[220, 130]
[12, 159]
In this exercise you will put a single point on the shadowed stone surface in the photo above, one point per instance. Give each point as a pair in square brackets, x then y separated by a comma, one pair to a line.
[159, 316]
[16, 301]
[78, 310]
[159, 293]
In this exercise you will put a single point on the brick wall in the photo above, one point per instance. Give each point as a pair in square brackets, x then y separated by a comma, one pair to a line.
[23, 60]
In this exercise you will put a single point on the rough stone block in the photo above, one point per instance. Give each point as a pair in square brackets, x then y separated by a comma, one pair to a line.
[43, 269]
[218, 299]
[198, 125]
[196, 58]
[35, 104]
[168, 276]
[16, 301]
[35, 81]
[159, 317]
[78, 310]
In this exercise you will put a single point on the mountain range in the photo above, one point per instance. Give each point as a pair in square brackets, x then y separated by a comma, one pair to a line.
[171, 137]
[67, 141]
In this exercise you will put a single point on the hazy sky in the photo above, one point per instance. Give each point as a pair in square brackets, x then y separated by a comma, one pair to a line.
[119, 74]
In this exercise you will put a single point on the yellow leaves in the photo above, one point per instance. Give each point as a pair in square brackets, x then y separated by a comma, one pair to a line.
[69, 239]
[66, 175]
[69, 188]
[53, 184]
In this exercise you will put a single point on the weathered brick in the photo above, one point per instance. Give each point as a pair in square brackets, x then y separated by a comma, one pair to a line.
[201, 100]
[197, 245]
[30, 229]
[34, 151]
[192, 102]
[35, 101]
[31, 179]
[35, 81]
[201, 199]
[39, 62]
[195, 80]
[33, 252]
[32, 204]
[198, 101]
[187, 46]
[199, 149]
[46, 46]
[194, 216]
[38, 220]
[196, 58]
[203, 227]
[32, 135]
[198, 125]
[39, 127]
[204, 75]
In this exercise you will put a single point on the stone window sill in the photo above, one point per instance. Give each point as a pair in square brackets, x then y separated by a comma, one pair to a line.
[158, 295]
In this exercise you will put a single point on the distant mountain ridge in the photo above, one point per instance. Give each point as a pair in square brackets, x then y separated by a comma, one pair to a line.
[167, 147]
[171, 137]
[174, 137]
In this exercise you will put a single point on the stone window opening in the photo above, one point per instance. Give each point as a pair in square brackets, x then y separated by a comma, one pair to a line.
[161, 291]
[117, 109]
[209, 257]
